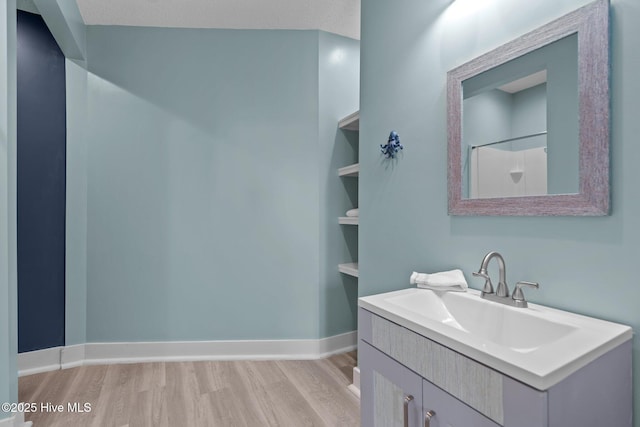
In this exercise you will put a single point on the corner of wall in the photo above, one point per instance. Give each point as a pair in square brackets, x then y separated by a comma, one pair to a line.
[8, 266]
[65, 22]
[76, 205]
[338, 96]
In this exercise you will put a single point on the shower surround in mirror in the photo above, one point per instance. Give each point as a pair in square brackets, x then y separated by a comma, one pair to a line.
[506, 173]
[510, 108]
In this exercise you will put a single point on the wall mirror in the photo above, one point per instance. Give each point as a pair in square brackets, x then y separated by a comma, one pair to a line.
[528, 123]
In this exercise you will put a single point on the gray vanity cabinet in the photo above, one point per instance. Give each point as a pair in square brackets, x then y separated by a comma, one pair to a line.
[446, 411]
[393, 396]
[391, 393]
[404, 375]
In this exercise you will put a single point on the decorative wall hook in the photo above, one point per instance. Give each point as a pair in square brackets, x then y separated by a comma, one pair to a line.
[392, 146]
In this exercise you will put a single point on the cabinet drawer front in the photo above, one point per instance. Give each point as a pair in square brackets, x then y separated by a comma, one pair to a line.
[450, 412]
[467, 380]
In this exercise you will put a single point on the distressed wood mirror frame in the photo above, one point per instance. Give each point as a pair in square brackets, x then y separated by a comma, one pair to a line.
[591, 24]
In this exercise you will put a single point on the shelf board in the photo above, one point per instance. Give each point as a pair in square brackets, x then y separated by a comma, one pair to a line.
[351, 122]
[350, 268]
[351, 170]
[348, 220]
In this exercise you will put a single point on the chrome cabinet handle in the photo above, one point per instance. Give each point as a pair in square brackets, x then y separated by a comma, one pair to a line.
[427, 418]
[407, 400]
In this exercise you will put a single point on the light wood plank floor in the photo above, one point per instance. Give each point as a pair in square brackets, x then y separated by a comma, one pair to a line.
[238, 393]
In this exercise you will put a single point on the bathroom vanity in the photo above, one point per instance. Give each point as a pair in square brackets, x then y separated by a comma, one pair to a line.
[438, 359]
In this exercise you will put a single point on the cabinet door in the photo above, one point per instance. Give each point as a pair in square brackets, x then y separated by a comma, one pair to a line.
[390, 393]
[449, 411]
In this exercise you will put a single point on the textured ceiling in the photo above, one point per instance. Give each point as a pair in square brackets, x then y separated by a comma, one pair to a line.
[335, 16]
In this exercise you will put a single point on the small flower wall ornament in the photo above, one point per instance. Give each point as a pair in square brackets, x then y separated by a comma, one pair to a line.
[392, 146]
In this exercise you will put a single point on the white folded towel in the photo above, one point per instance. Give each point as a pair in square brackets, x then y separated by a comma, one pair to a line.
[452, 280]
[352, 212]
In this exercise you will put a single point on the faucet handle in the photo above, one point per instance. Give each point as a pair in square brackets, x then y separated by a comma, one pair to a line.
[488, 286]
[518, 295]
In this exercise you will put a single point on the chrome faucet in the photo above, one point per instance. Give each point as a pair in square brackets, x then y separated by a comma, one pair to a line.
[502, 290]
[501, 293]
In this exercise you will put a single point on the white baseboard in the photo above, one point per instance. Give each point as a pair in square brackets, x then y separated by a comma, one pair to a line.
[137, 352]
[356, 377]
[355, 390]
[72, 356]
[355, 387]
[337, 344]
[35, 362]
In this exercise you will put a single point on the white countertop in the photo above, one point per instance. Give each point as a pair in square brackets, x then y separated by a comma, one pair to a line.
[539, 345]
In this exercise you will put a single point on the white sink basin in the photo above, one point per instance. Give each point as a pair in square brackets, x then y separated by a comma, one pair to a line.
[538, 345]
[516, 329]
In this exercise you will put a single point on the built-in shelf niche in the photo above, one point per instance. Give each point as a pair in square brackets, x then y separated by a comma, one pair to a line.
[351, 170]
[348, 220]
[351, 122]
[350, 268]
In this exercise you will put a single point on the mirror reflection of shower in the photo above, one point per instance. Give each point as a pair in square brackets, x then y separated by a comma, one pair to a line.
[505, 129]
[512, 168]
[510, 107]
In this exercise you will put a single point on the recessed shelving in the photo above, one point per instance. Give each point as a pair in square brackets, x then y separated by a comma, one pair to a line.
[349, 268]
[351, 170]
[348, 220]
[351, 122]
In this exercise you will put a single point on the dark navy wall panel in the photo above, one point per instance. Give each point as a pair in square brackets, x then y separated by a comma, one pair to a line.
[41, 186]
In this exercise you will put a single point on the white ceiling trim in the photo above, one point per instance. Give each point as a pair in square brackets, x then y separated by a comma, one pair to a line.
[335, 16]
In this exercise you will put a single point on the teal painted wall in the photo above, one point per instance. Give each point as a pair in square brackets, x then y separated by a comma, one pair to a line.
[8, 248]
[487, 118]
[339, 89]
[530, 111]
[203, 184]
[496, 115]
[76, 205]
[585, 265]
[530, 117]
[562, 110]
